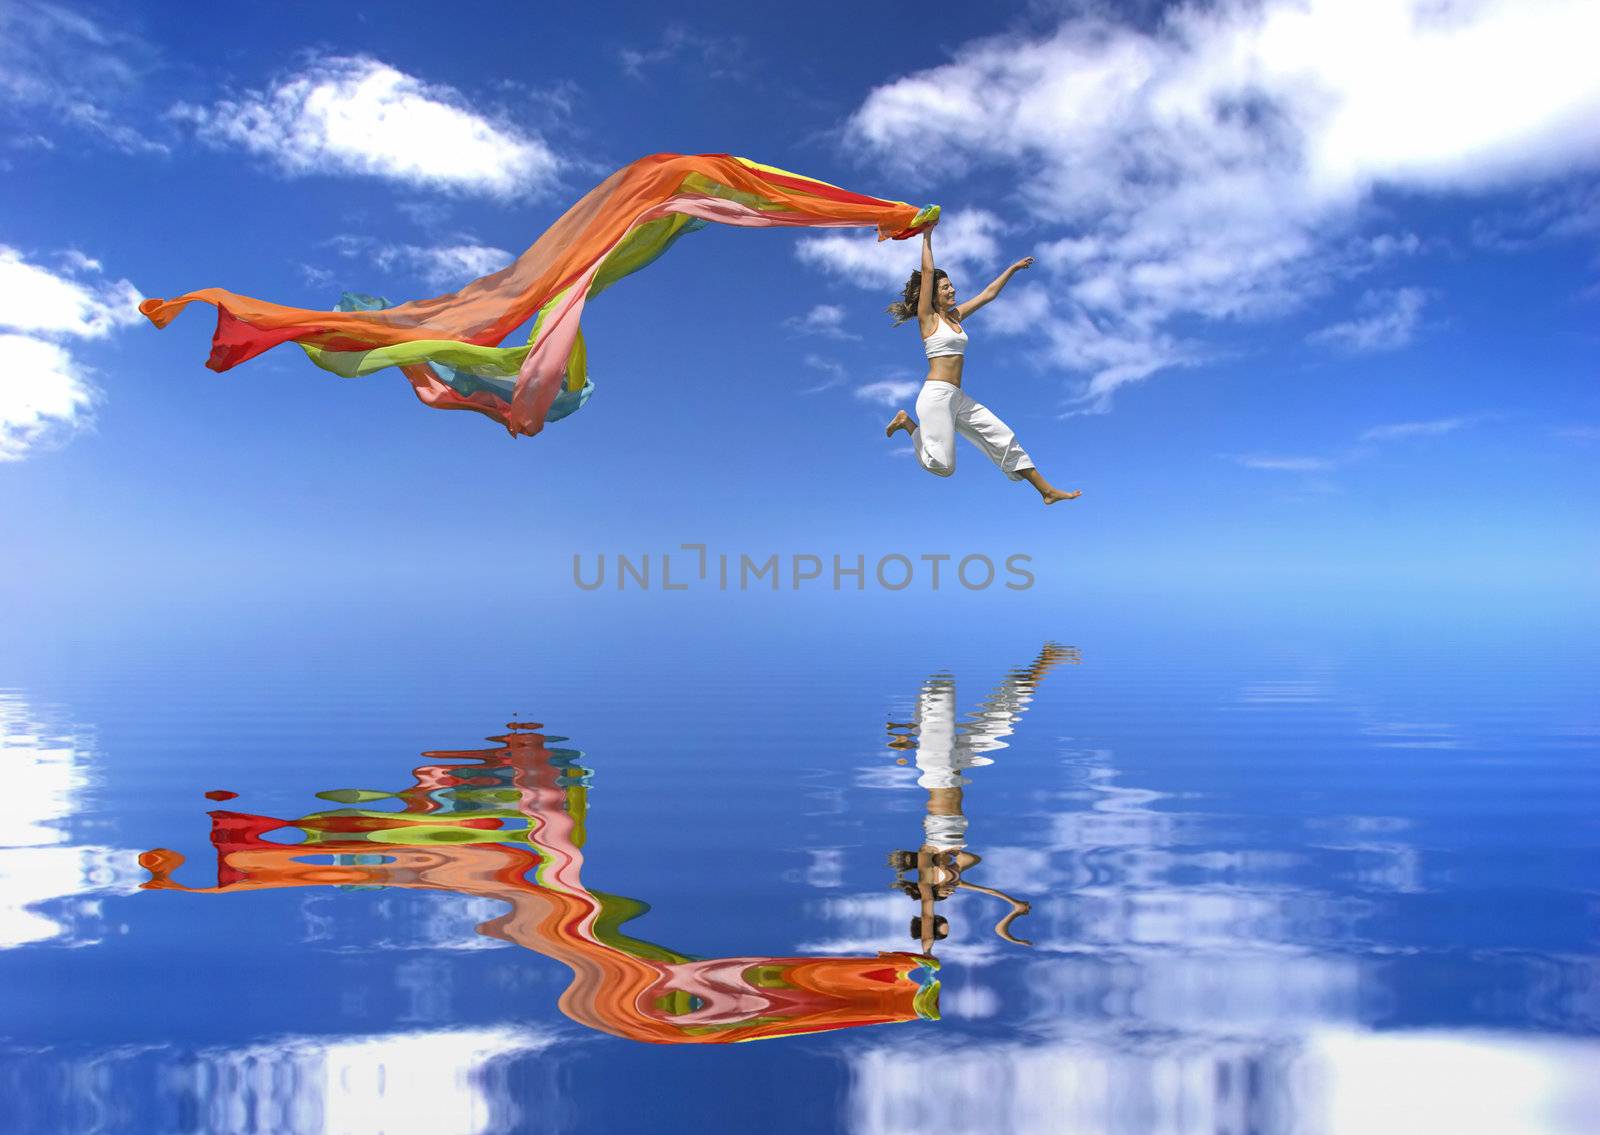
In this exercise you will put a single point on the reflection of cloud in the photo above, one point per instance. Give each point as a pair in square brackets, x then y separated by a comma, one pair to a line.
[1232, 989]
[1462, 1082]
[1284, 693]
[412, 1083]
[1414, 735]
[398, 1083]
[1323, 1082]
[46, 774]
[968, 1000]
[1211, 916]
[826, 869]
[872, 922]
[400, 920]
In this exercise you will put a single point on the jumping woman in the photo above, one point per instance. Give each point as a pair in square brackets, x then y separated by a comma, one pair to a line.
[943, 408]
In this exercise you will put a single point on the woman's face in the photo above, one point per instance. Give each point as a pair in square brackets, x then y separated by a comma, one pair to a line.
[945, 292]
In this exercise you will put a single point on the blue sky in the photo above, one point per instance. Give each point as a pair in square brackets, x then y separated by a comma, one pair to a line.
[1315, 301]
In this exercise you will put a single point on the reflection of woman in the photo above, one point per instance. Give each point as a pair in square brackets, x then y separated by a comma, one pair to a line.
[944, 749]
[943, 408]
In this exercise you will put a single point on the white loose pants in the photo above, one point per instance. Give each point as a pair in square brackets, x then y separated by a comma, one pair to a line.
[947, 746]
[943, 411]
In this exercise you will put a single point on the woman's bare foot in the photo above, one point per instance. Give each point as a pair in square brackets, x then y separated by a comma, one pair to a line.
[901, 421]
[1049, 492]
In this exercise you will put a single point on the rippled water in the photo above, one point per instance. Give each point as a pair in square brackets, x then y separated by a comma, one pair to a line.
[1044, 883]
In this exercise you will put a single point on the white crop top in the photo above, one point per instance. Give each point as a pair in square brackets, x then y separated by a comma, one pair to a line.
[945, 341]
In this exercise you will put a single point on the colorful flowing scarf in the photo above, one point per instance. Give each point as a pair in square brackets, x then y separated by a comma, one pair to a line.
[449, 346]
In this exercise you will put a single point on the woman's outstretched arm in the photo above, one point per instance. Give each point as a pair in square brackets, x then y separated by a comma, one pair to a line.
[993, 289]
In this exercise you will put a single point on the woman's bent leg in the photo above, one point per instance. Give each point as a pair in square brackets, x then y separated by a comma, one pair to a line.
[978, 425]
[934, 439]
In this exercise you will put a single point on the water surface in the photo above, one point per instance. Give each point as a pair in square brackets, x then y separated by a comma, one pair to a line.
[1054, 879]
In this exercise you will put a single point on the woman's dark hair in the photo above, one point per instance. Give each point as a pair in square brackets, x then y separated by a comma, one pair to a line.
[906, 306]
[941, 927]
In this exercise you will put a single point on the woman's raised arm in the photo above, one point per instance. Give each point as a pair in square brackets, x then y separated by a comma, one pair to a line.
[925, 293]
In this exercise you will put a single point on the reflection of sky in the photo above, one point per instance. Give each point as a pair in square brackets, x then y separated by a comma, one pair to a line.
[1257, 905]
[48, 884]
[1225, 1004]
[1197, 969]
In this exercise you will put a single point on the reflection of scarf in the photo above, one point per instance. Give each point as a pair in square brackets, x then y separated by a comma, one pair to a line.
[508, 824]
[448, 346]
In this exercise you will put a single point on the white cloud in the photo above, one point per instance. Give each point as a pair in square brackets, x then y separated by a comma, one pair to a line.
[1390, 321]
[713, 56]
[34, 299]
[1115, 354]
[428, 213]
[1400, 430]
[826, 319]
[1020, 308]
[317, 277]
[963, 243]
[441, 265]
[834, 369]
[45, 393]
[1556, 214]
[355, 114]
[1579, 433]
[78, 262]
[889, 392]
[1285, 464]
[448, 264]
[59, 66]
[1393, 244]
[1216, 164]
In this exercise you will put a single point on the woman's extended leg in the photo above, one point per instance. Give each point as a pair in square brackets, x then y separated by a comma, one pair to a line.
[978, 425]
[1049, 492]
